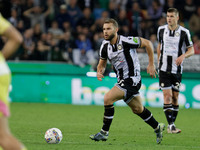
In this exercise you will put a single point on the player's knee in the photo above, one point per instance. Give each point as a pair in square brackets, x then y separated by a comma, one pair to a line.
[107, 100]
[137, 110]
[168, 97]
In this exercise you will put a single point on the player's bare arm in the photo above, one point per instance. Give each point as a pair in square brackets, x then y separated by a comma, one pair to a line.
[189, 53]
[101, 69]
[14, 41]
[149, 48]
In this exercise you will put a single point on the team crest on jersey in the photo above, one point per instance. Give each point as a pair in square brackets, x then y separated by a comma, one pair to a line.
[177, 34]
[119, 47]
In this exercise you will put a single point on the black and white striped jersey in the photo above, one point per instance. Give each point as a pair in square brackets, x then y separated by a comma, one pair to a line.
[123, 57]
[173, 44]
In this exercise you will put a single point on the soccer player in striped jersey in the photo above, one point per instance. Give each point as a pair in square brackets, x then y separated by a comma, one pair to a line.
[174, 46]
[121, 52]
[14, 39]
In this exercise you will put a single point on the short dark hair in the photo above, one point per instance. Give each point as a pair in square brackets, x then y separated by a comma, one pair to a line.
[173, 10]
[113, 21]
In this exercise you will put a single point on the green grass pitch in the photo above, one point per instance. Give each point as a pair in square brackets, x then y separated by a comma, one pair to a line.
[29, 121]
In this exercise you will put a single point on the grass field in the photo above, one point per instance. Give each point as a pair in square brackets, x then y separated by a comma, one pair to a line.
[29, 121]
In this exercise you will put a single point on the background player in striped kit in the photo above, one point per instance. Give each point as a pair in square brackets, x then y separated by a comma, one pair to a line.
[121, 51]
[174, 46]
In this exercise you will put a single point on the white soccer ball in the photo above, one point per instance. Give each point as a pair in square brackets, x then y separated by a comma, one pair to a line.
[53, 136]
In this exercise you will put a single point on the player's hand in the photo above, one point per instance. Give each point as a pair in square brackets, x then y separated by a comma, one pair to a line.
[151, 70]
[179, 60]
[99, 76]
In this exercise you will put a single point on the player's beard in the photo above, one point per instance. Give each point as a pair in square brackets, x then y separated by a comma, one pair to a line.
[110, 37]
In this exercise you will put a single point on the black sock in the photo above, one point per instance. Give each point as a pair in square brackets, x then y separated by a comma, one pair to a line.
[108, 117]
[175, 112]
[147, 116]
[168, 113]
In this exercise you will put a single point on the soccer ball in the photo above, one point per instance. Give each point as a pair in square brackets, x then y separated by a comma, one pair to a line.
[53, 136]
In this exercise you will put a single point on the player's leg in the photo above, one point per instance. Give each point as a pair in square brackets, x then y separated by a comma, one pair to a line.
[175, 104]
[7, 140]
[113, 95]
[136, 106]
[176, 81]
[167, 108]
[165, 83]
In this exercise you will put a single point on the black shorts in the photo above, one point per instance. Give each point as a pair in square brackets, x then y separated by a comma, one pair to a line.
[130, 89]
[168, 80]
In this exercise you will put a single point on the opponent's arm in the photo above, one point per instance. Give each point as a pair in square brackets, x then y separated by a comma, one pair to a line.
[101, 69]
[14, 39]
[149, 48]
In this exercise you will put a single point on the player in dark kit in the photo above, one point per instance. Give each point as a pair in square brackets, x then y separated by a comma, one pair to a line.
[121, 52]
[174, 46]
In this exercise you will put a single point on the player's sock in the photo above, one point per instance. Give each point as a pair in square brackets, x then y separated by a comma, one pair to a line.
[168, 113]
[147, 116]
[175, 112]
[108, 117]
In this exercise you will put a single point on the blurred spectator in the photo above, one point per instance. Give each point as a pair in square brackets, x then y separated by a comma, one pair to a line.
[194, 22]
[144, 30]
[196, 41]
[84, 54]
[74, 12]
[121, 4]
[14, 18]
[28, 45]
[154, 41]
[20, 26]
[55, 31]
[113, 9]
[123, 23]
[42, 50]
[63, 16]
[135, 16]
[155, 10]
[36, 16]
[103, 4]
[86, 4]
[37, 32]
[86, 20]
[54, 9]
[188, 9]
[66, 45]
[169, 4]
[97, 40]
[97, 27]
[149, 2]
[66, 26]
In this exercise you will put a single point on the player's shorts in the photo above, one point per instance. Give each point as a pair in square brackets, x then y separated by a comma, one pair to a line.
[5, 78]
[130, 88]
[168, 80]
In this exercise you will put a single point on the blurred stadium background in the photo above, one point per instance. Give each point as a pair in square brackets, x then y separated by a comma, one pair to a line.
[52, 65]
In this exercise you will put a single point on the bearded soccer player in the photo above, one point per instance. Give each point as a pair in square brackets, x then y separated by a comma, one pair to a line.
[121, 52]
[14, 39]
[174, 46]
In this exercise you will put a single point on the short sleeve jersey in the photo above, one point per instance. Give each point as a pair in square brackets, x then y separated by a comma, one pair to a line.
[123, 56]
[173, 44]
